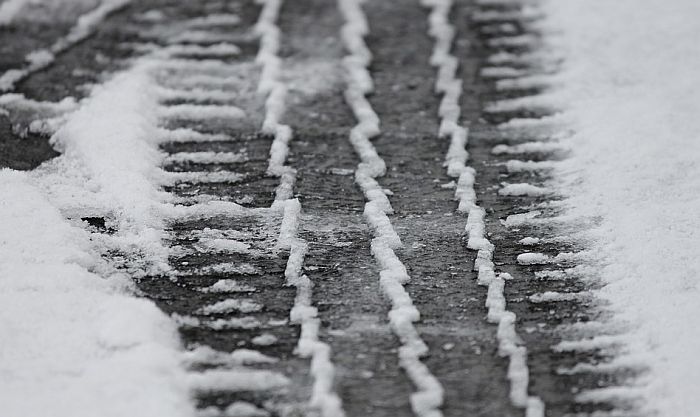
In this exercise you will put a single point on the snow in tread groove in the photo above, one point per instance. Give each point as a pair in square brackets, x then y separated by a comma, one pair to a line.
[456, 158]
[429, 395]
[323, 398]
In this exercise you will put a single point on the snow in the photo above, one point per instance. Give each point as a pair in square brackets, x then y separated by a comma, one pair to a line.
[243, 268]
[449, 110]
[553, 296]
[523, 189]
[201, 36]
[9, 9]
[214, 19]
[238, 379]
[236, 409]
[109, 164]
[276, 92]
[582, 345]
[227, 286]
[528, 147]
[323, 398]
[231, 305]
[197, 94]
[509, 343]
[519, 219]
[219, 324]
[265, 339]
[221, 49]
[85, 25]
[205, 355]
[514, 41]
[189, 135]
[529, 241]
[74, 342]
[611, 367]
[524, 83]
[502, 72]
[194, 177]
[428, 398]
[529, 166]
[630, 84]
[222, 245]
[207, 157]
[201, 112]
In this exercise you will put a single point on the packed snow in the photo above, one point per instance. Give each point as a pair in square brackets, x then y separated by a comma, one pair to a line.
[74, 342]
[428, 397]
[632, 89]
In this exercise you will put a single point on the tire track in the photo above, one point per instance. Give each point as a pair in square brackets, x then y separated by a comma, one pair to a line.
[516, 142]
[370, 381]
[323, 398]
[510, 344]
[231, 243]
[463, 346]
[428, 398]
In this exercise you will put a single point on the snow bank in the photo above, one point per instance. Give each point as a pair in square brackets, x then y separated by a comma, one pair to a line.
[109, 164]
[632, 89]
[9, 9]
[75, 343]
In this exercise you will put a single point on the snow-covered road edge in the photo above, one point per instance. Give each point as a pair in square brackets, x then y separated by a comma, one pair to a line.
[74, 342]
[629, 86]
[77, 340]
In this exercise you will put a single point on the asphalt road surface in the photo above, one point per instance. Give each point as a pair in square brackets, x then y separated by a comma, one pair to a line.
[353, 312]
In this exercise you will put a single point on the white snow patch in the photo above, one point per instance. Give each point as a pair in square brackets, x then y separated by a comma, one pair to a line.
[236, 409]
[502, 72]
[519, 219]
[529, 241]
[109, 165]
[76, 343]
[205, 355]
[428, 398]
[265, 339]
[529, 166]
[222, 245]
[523, 189]
[214, 19]
[85, 25]
[634, 165]
[227, 286]
[553, 296]
[201, 112]
[243, 268]
[233, 380]
[231, 305]
[219, 324]
[528, 147]
[207, 157]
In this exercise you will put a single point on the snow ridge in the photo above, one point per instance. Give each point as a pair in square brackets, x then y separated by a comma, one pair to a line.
[323, 397]
[276, 92]
[429, 397]
[449, 111]
[9, 9]
[447, 84]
